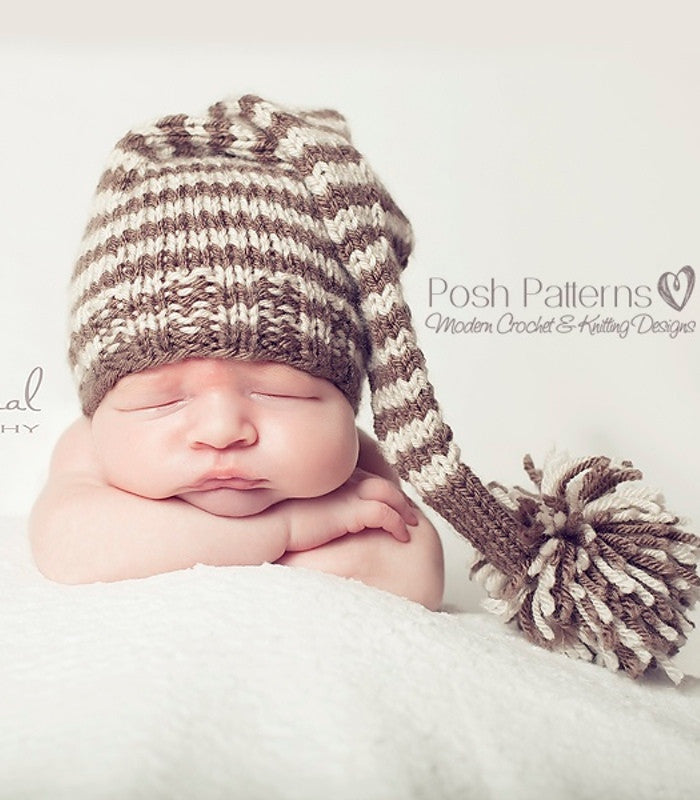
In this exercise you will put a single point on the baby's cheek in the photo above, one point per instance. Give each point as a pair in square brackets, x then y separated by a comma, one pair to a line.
[129, 461]
[333, 462]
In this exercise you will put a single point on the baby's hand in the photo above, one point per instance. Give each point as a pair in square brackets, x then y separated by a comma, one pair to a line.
[363, 502]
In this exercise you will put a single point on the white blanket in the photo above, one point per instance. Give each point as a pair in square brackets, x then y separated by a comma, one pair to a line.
[269, 682]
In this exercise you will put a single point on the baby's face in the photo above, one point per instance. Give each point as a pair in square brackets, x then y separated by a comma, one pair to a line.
[231, 437]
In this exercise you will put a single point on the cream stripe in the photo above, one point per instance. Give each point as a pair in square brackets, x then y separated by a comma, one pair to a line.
[380, 304]
[374, 216]
[543, 602]
[404, 340]
[399, 393]
[366, 260]
[353, 218]
[436, 473]
[292, 145]
[622, 580]
[261, 113]
[648, 580]
[334, 121]
[412, 435]
[337, 173]
[634, 641]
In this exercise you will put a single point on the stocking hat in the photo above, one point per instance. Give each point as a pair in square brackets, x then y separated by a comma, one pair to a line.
[257, 231]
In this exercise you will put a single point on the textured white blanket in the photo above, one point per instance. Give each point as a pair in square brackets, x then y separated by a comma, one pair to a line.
[268, 682]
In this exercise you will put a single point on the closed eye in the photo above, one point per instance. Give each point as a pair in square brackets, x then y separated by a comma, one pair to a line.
[165, 404]
[283, 396]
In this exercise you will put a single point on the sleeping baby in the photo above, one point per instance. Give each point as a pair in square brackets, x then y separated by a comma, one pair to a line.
[219, 344]
[221, 461]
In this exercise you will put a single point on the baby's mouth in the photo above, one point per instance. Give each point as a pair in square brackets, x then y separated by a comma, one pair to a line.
[228, 482]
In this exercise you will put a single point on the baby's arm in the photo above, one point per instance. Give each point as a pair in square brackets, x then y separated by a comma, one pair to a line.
[414, 570]
[83, 530]
[363, 501]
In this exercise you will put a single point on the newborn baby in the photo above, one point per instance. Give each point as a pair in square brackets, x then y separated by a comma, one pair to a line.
[224, 461]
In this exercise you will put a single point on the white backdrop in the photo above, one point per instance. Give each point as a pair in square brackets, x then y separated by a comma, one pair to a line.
[534, 173]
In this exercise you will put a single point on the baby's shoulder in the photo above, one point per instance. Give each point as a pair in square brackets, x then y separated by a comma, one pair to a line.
[74, 453]
[372, 460]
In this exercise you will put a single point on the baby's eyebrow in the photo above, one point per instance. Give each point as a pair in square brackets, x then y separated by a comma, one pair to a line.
[140, 382]
[277, 372]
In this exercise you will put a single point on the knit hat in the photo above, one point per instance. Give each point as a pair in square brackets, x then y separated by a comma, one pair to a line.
[260, 232]
[203, 242]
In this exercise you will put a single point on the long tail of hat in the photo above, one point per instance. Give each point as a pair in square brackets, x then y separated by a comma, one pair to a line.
[373, 239]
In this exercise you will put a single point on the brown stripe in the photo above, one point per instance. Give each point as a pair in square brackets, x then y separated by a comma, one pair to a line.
[331, 153]
[468, 506]
[603, 478]
[527, 624]
[392, 420]
[136, 143]
[218, 125]
[178, 137]
[629, 661]
[112, 177]
[418, 455]
[400, 365]
[159, 348]
[311, 116]
[577, 469]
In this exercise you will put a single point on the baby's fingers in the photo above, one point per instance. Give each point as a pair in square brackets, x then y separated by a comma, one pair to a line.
[385, 491]
[379, 515]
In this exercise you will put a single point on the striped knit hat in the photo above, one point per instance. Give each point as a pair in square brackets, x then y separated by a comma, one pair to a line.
[259, 232]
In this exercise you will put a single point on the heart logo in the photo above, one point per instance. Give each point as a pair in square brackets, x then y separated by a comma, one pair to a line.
[676, 288]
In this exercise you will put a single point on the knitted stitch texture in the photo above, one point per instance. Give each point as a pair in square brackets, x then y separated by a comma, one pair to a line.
[202, 244]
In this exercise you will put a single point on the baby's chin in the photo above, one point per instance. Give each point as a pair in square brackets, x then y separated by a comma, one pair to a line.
[232, 502]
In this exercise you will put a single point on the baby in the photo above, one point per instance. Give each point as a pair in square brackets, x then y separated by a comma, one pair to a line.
[220, 338]
[229, 462]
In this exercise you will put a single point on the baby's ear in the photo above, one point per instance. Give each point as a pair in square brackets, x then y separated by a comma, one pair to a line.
[372, 460]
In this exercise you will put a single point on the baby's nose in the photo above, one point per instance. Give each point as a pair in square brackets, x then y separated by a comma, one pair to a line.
[223, 422]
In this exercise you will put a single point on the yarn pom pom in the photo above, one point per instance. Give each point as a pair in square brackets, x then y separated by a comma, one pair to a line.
[611, 577]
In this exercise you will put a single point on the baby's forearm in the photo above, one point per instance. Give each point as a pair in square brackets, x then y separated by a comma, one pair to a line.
[414, 569]
[98, 533]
